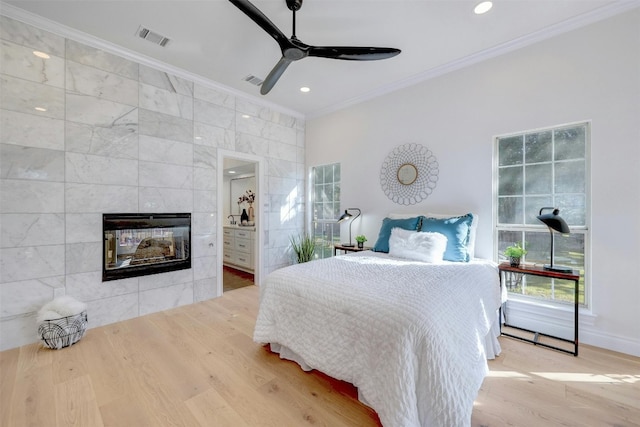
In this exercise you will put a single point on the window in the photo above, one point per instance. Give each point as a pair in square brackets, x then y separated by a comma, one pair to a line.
[326, 208]
[544, 168]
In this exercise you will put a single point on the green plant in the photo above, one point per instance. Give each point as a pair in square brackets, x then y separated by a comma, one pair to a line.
[515, 251]
[304, 246]
[361, 238]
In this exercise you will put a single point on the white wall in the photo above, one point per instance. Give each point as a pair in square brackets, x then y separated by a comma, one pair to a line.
[119, 136]
[592, 73]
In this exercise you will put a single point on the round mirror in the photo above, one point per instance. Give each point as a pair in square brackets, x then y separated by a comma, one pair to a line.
[407, 174]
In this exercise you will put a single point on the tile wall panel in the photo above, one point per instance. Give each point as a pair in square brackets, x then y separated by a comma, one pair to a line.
[19, 61]
[30, 36]
[118, 136]
[28, 130]
[27, 229]
[101, 84]
[118, 140]
[24, 96]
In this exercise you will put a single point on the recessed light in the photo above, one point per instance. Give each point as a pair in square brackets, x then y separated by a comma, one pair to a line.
[483, 7]
[245, 116]
[41, 54]
[305, 89]
[198, 137]
[40, 109]
[232, 172]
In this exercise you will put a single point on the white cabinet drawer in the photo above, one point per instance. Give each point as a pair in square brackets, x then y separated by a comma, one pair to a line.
[227, 232]
[228, 256]
[243, 234]
[243, 260]
[227, 242]
[243, 245]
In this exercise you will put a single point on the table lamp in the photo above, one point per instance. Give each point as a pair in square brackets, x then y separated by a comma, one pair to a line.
[555, 223]
[345, 216]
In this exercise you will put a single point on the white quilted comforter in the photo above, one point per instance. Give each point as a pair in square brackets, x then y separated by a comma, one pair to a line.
[409, 335]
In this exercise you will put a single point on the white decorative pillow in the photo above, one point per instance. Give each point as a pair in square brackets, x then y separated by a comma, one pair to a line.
[419, 246]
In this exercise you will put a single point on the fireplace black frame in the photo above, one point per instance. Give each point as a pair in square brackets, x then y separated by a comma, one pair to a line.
[137, 221]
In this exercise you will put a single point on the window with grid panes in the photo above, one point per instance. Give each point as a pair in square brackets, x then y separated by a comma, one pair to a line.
[544, 168]
[326, 208]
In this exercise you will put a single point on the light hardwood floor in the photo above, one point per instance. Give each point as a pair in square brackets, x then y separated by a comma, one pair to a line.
[198, 366]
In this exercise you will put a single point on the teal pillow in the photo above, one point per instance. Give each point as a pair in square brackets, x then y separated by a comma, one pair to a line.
[457, 230]
[382, 244]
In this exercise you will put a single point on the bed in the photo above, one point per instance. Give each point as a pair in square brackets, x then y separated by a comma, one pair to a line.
[412, 336]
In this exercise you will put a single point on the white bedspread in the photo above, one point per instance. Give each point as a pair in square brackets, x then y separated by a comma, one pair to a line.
[409, 335]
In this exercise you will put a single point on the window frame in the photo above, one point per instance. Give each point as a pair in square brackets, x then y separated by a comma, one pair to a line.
[583, 230]
[324, 246]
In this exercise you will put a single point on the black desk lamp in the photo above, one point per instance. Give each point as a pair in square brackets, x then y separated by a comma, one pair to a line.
[345, 216]
[554, 222]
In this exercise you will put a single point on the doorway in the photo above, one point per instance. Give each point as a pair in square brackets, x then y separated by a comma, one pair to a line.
[239, 220]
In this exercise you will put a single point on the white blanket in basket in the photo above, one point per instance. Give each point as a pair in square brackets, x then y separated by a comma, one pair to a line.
[409, 335]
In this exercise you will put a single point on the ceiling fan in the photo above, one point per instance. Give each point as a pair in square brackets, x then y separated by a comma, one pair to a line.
[293, 49]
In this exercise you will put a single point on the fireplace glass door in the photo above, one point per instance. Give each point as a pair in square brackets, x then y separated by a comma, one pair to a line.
[141, 244]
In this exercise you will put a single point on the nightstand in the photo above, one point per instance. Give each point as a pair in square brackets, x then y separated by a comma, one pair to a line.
[346, 249]
[505, 268]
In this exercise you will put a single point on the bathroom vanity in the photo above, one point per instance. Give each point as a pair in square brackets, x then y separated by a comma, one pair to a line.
[239, 247]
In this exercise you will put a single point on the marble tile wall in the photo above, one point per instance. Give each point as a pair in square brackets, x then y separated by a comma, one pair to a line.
[119, 136]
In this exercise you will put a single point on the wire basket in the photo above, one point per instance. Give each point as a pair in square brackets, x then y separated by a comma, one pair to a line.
[63, 332]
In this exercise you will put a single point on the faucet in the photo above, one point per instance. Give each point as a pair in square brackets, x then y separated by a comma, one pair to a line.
[231, 221]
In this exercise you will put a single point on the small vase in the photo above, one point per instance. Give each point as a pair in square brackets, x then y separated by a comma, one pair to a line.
[244, 218]
[251, 216]
[514, 261]
[360, 245]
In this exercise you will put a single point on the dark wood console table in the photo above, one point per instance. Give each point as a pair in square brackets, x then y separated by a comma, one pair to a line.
[505, 268]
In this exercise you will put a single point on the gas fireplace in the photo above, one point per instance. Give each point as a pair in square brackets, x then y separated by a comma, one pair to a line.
[146, 243]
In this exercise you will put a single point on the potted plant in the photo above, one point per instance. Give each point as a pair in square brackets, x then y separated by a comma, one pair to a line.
[514, 253]
[361, 239]
[304, 246]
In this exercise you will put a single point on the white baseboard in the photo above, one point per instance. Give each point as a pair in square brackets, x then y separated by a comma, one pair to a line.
[557, 320]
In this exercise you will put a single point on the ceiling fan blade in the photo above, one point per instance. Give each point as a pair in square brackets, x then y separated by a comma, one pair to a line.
[274, 75]
[260, 18]
[351, 53]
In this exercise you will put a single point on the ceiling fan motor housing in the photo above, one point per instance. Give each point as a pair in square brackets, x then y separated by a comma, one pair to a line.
[294, 4]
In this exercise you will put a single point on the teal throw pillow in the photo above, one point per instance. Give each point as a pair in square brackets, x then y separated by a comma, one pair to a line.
[457, 230]
[382, 244]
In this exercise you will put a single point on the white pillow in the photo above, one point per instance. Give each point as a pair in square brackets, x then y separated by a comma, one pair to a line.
[419, 246]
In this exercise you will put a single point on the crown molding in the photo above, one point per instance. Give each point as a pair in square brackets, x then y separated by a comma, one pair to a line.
[602, 13]
[89, 40]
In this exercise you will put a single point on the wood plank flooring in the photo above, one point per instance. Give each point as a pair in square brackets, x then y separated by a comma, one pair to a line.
[235, 279]
[198, 366]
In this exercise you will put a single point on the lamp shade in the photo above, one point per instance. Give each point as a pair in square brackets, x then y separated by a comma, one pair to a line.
[555, 223]
[553, 220]
[345, 216]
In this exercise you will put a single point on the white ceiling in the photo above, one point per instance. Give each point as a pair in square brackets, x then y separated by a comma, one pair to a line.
[214, 40]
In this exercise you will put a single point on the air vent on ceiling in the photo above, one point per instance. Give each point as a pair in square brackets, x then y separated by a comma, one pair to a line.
[153, 37]
[253, 80]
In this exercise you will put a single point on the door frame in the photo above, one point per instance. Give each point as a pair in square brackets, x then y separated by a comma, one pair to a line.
[260, 216]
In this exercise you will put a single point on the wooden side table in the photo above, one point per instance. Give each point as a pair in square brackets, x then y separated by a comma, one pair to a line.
[345, 249]
[505, 268]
